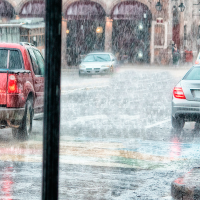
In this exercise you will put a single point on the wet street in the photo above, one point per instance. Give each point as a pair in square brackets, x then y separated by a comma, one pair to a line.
[116, 140]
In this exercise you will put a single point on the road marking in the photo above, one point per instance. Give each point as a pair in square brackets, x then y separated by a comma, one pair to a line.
[84, 153]
[85, 88]
[158, 123]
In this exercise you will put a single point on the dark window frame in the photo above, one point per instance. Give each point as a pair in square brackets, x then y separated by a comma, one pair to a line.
[34, 64]
[36, 50]
[15, 49]
[20, 57]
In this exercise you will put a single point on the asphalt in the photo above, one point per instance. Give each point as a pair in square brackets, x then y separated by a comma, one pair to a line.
[185, 187]
[116, 140]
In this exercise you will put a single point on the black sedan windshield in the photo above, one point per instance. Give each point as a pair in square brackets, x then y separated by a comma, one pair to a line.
[97, 58]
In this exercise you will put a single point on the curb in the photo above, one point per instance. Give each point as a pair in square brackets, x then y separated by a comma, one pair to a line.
[187, 187]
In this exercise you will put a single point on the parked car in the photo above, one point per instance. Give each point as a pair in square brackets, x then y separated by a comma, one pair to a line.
[21, 87]
[186, 99]
[98, 63]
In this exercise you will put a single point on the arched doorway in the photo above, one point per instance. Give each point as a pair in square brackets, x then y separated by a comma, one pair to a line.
[131, 31]
[33, 9]
[86, 30]
[6, 10]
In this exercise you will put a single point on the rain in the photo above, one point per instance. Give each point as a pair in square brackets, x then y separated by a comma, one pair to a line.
[129, 97]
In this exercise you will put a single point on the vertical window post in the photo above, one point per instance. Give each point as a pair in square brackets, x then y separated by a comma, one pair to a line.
[52, 100]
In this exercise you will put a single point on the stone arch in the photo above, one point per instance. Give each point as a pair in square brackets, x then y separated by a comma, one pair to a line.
[151, 6]
[34, 8]
[115, 2]
[131, 30]
[67, 3]
[13, 3]
[7, 9]
[20, 5]
[84, 18]
[131, 9]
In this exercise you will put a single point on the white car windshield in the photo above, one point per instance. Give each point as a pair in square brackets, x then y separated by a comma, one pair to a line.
[97, 58]
[193, 74]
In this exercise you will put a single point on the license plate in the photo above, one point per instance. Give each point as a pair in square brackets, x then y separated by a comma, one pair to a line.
[197, 94]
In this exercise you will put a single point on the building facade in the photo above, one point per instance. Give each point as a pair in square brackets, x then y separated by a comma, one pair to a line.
[132, 30]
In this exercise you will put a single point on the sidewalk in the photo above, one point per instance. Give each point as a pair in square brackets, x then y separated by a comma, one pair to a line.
[187, 187]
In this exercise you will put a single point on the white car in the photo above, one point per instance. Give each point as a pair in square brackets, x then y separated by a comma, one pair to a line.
[98, 64]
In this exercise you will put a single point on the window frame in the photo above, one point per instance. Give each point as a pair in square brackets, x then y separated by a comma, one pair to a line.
[36, 50]
[33, 62]
[8, 58]
[20, 56]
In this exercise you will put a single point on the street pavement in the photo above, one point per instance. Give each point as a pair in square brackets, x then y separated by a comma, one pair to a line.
[116, 140]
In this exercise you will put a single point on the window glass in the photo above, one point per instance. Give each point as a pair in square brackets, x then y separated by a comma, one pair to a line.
[3, 58]
[15, 60]
[97, 58]
[36, 68]
[24, 39]
[40, 61]
[193, 74]
[89, 58]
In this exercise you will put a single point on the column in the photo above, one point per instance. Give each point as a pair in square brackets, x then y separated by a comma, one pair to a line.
[108, 34]
[64, 43]
[189, 10]
[152, 41]
[9, 34]
[195, 31]
[4, 34]
[170, 31]
[182, 45]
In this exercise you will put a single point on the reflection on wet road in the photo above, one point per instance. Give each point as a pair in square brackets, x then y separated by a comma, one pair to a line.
[116, 141]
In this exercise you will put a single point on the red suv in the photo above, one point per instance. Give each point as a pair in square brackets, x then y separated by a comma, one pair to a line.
[21, 87]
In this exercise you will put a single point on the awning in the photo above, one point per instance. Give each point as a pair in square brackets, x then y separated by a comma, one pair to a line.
[33, 9]
[131, 10]
[85, 10]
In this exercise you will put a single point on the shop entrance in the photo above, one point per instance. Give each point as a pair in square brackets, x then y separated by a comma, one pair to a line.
[85, 29]
[131, 32]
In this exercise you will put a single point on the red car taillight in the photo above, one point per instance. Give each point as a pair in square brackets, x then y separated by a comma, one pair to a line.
[178, 93]
[12, 84]
[197, 62]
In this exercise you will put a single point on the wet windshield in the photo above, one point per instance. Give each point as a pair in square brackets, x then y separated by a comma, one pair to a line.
[97, 58]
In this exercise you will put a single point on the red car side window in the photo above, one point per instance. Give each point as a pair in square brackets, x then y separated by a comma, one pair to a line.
[36, 69]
